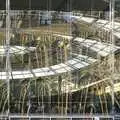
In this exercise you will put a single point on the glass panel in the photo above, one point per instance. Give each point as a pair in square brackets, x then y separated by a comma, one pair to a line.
[3, 83]
[117, 42]
[60, 57]
[40, 118]
[19, 119]
[60, 119]
[2, 4]
[82, 118]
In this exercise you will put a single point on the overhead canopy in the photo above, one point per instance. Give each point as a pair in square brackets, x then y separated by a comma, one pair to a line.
[65, 5]
[102, 49]
[79, 62]
[16, 50]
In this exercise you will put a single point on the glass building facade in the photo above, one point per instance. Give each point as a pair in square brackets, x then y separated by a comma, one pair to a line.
[59, 60]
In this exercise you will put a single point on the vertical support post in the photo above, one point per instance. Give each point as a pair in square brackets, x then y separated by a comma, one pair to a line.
[112, 57]
[7, 46]
[29, 12]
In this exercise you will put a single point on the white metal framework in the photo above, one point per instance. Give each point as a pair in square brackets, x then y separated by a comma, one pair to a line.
[79, 62]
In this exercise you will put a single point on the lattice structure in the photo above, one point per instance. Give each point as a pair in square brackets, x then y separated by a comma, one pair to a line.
[58, 64]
